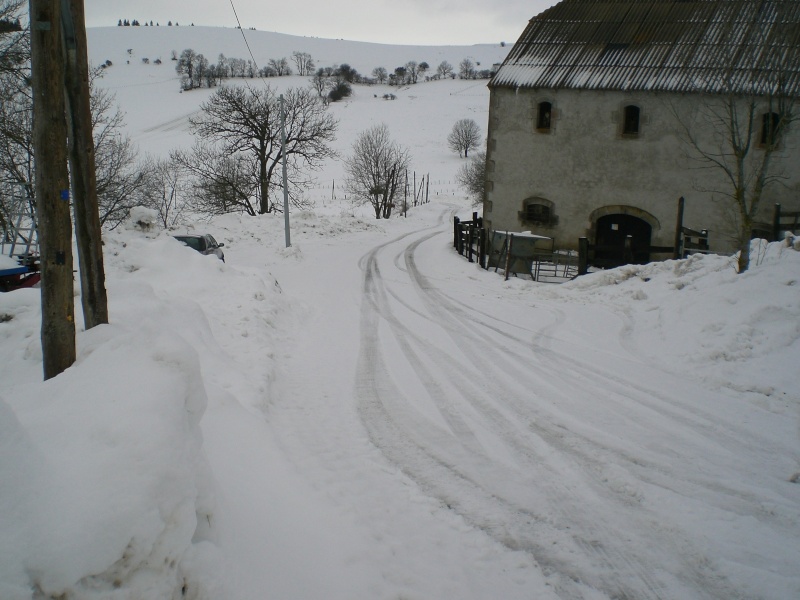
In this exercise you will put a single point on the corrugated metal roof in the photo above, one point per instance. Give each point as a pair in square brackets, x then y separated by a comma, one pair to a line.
[679, 45]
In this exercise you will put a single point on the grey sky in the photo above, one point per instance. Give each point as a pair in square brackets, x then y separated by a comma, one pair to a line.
[414, 22]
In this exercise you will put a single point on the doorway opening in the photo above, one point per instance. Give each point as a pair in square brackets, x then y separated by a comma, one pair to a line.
[611, 233]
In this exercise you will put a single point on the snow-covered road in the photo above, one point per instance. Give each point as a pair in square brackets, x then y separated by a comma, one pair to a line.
[425, 401]
[384, 420]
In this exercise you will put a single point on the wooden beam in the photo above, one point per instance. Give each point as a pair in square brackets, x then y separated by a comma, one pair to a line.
[52, 186]
[88, 232]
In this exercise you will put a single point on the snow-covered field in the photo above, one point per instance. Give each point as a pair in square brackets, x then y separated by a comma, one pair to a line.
[366, 415]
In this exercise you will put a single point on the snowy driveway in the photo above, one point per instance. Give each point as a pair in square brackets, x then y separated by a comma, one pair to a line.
[490, 444]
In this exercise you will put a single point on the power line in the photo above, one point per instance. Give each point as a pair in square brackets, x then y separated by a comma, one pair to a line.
[244, 37]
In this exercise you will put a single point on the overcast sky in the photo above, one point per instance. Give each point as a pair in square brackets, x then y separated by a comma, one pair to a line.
[414, 22]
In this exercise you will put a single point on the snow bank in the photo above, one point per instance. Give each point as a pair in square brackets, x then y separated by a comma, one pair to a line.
[740, 331]
[106, 488]
[111, 470]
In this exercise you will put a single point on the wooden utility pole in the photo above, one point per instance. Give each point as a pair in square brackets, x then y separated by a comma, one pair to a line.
[88, 232]
[52, 186]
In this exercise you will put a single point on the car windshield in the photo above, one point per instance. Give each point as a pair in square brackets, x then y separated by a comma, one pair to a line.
[192, 242]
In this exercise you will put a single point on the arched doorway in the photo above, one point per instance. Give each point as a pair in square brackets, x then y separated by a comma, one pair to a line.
[612, 230]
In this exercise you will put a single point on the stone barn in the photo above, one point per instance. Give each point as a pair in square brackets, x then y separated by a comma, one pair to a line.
[605, 113]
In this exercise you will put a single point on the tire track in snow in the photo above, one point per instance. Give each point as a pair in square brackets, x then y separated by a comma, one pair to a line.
[390, 429]
[591, 454]
[421, 453]
[587, 380]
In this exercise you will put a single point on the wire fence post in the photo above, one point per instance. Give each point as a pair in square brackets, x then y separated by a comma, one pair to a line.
[285, 178]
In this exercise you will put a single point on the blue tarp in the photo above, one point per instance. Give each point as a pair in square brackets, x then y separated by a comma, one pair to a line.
[13, 271]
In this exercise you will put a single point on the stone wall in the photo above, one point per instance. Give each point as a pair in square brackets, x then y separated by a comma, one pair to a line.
[585, 166]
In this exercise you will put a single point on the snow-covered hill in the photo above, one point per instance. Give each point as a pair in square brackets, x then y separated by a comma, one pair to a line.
[420, 117]
[113, 43]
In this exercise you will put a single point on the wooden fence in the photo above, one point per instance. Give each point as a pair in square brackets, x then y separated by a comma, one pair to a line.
[514, 253]
[469, 239]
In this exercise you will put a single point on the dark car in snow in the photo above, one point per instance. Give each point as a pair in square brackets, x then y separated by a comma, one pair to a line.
[203, 243]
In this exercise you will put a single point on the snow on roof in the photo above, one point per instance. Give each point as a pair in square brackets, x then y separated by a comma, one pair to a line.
[743, 46]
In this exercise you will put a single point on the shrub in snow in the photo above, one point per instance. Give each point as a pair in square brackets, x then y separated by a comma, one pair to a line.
[142, 219]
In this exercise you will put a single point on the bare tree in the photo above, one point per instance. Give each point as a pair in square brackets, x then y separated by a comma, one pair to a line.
[747, 132]
[166, 187]
[220, 183]
[14, 41]
[223, 68]
[238, 120]
[237, 67]
[121, 180]
[303, 62]
[466, 69]
[445, 69]
[412, 70]
[185, 68]
[16, 148]
[320, 82]
[472, 177]
[280, 65]
[464, 136]
[737, 131]
[120, 177]
[380, 74]
[117, 175]
[376, 169]
[16, 124]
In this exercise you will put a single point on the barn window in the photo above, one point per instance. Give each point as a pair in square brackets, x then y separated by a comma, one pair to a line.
[538, 211]
[543, 116]
[769, 128]
[630, 125]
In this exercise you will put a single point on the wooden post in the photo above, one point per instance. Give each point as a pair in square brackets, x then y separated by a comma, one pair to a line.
[52, 186]
[482, 237]
[415, 188]
[88, 233]
[583, 256]
[456, 232]
[473, 229]
[678, 252]
[405, 192]
[508, 254]
[776, 223]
